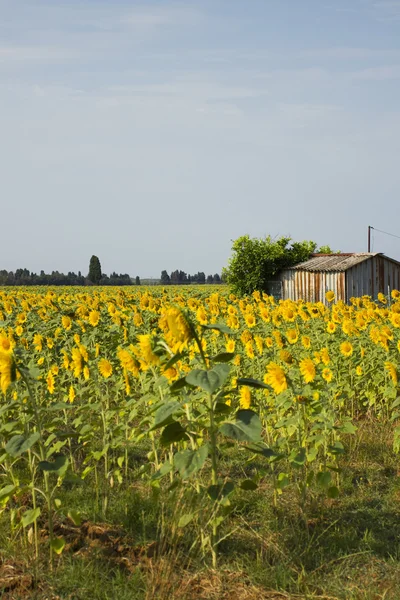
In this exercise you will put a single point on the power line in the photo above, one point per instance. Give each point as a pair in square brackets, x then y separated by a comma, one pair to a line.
[386, 233]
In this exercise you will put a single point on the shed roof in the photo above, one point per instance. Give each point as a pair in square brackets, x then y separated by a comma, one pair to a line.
[334, 262]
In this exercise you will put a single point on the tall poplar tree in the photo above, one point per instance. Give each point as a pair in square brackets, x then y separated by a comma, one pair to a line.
[94, 270]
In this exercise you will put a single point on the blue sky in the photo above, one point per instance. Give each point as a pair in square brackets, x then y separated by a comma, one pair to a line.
[152, 134]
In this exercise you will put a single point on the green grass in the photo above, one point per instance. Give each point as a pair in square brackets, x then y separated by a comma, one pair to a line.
[343, 549]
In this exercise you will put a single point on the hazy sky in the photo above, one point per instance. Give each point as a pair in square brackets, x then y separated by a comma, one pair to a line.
[152, 134]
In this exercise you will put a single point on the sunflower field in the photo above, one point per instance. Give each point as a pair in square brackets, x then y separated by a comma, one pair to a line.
[192, 393]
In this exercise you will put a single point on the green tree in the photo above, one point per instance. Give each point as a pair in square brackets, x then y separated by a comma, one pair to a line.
[94, 270]
[255, 261]
[165, 278]
[326, 250]
[137, 280]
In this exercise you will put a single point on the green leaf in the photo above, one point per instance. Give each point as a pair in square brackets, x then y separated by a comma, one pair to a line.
[189, 462]
[174, 359]
[223, 357]
[254, 383]
[30, 516]
[220, 490]
[260, 448]
[164, 413]
[282, 481]
[221, 408]
[178, 385]
[333, 492]
[6, 493]
[298, 458]
[58, 544]
[59, 466]
[337, 448]
[174, 432]
[210, 380]
[323, 478]
[219, 327]
[248, 484]
[19, 444]
[164, 469]
[75, 517]
[348, 427]
[396, 402]
[246, 428]
[185, 520]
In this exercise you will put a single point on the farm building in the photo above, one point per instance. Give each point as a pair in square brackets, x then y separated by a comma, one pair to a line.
[347, 275]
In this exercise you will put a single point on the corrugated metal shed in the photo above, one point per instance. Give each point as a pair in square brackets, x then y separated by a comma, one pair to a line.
[347, 275]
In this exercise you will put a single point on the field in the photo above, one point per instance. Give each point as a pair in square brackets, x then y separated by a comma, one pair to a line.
[184, 443]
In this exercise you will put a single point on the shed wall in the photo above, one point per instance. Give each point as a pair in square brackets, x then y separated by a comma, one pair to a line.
[372, 277]
[311, 287]
[377, 274]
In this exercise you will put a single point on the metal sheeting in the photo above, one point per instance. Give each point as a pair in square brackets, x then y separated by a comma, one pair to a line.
[312, 287]
[375, 274]
[333, 262]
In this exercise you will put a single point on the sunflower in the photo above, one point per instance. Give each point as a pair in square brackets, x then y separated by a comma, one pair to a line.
[105, 368]
[327, 374]
[245, 397]
[275, 377]
[230, 346]
[330, 296]
[382, 298]
[50, 382]
[265, 314]
[76, 362]
[307, 369]
[144, 352]
[292, 336]
[66, 322]
[285, 357]
[137, 320]
[38, 342]
[391, 368]
[8, 372]
[259, 344]
[359, 370]
[324, 354]
[269, 342]
[250, 320]
[305, 340]
[289, 313]
[278, 338]
[94, 318]
[346, 349]
[201, 316]
[246, 336]
[71, 394]
[249, 349]
[395, 319]
[128, 362]
[178, 331]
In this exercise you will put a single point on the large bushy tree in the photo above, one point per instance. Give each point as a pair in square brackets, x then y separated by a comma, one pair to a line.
[256, 261]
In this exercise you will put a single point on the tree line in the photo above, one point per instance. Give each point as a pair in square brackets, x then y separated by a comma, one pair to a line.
[25, 277]
[181, 278]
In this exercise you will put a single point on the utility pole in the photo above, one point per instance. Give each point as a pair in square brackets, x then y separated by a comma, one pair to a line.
[369, 237]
